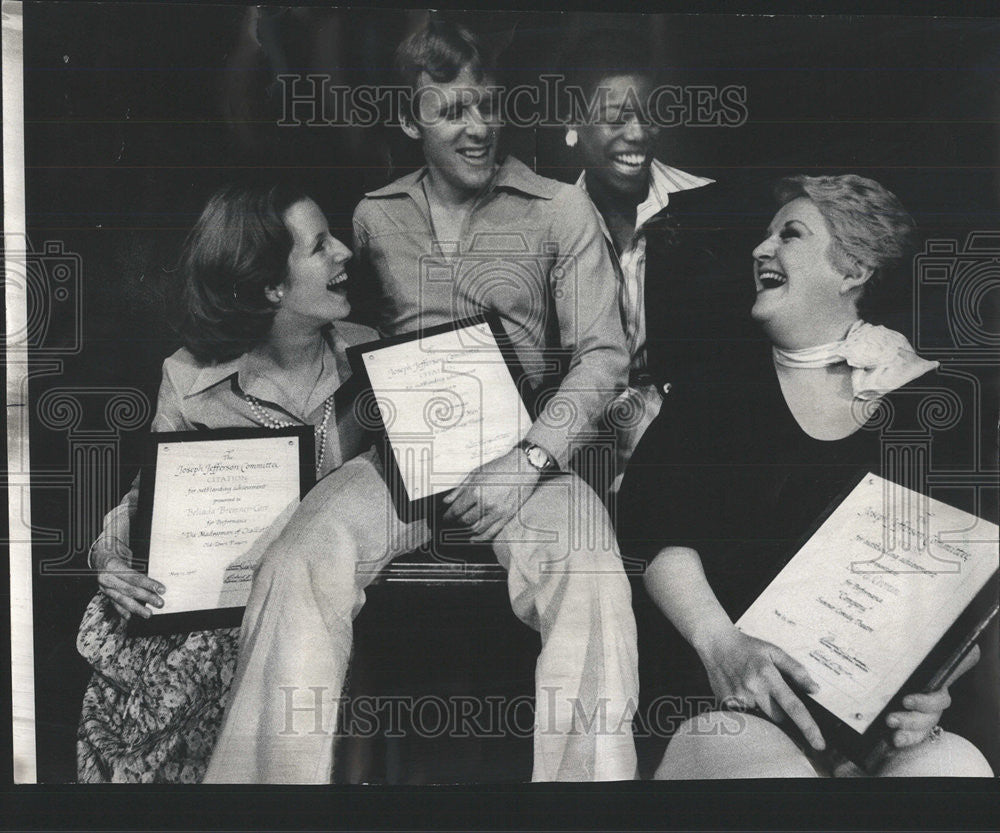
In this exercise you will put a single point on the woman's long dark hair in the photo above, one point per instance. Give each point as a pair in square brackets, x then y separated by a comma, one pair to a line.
[238, 248]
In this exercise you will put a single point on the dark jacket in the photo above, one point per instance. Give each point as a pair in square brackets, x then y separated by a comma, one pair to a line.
[699, 281]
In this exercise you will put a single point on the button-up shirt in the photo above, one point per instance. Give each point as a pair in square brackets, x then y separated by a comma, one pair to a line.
[663, 181]
[532, 251]
[196, 396]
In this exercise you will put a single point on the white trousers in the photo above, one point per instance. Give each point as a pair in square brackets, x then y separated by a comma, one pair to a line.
[565, 579]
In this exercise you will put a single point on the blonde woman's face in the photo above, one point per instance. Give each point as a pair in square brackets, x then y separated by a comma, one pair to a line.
[796, 280]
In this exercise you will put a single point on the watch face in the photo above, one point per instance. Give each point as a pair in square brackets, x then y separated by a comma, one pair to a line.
[538, 458]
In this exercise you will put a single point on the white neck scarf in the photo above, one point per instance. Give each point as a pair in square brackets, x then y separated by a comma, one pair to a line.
[883, 359]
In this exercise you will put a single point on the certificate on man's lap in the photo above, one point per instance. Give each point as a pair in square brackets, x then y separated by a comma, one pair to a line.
[882, 600]
[449, 399]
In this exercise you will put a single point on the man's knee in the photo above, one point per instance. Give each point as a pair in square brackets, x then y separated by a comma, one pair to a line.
[353, 494]
[331, 551]
[576, 524]
[550, 505]
[286, 561]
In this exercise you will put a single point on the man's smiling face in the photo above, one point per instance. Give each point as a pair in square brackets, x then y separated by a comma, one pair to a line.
[618, 148]
[457, 127]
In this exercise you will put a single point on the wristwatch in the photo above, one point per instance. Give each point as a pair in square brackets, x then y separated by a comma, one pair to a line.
[537, 456]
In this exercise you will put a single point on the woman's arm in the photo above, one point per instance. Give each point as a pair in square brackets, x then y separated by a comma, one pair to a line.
[743, 671]
[129, 590]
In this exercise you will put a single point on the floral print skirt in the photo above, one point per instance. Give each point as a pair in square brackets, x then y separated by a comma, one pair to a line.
[154, 704]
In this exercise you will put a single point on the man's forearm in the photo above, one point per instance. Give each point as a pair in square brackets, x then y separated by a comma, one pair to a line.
[573, 413]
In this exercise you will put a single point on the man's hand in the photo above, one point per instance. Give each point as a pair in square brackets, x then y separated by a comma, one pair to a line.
[492, 494]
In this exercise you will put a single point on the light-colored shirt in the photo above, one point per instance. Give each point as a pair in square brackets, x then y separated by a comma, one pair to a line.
[196, 396]
[532, 251]
[663, 181]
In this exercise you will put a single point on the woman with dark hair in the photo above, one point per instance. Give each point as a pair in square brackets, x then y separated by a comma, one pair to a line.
[263, 282]
[311, 584]
[725, 483]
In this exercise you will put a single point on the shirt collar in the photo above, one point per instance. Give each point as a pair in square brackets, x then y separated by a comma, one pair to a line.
[248, 371]
[409, 184]
[517, 176]
[512, 174]
[210, 375]
[663, 181]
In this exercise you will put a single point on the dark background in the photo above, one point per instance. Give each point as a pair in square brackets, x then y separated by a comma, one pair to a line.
[135, 113]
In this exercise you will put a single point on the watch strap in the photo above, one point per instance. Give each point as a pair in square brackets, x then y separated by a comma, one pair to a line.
[528, 447]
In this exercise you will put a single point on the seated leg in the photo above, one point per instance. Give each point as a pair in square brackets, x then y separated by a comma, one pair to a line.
[736, 745]
[944, 756]
[565, 579]
[732, 745]
[297, 629]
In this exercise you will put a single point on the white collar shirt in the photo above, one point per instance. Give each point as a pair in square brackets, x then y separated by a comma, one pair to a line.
[663, 181]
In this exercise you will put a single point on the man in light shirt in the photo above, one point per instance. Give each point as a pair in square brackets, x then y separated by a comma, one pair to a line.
[527, 504]
[682, 296]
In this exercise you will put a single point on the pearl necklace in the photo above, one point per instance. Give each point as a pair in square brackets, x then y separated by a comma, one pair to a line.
[275, 424]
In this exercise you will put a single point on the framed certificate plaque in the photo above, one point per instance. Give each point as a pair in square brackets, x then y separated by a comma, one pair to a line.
[447, 399]
[883, 599]
[209, 504]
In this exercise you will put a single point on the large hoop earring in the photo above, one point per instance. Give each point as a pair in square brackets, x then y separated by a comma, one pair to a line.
[572, 137]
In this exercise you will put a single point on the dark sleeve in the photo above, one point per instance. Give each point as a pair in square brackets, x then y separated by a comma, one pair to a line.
[668, 488]
[365, 293]
[699, 283]
[934, 437]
